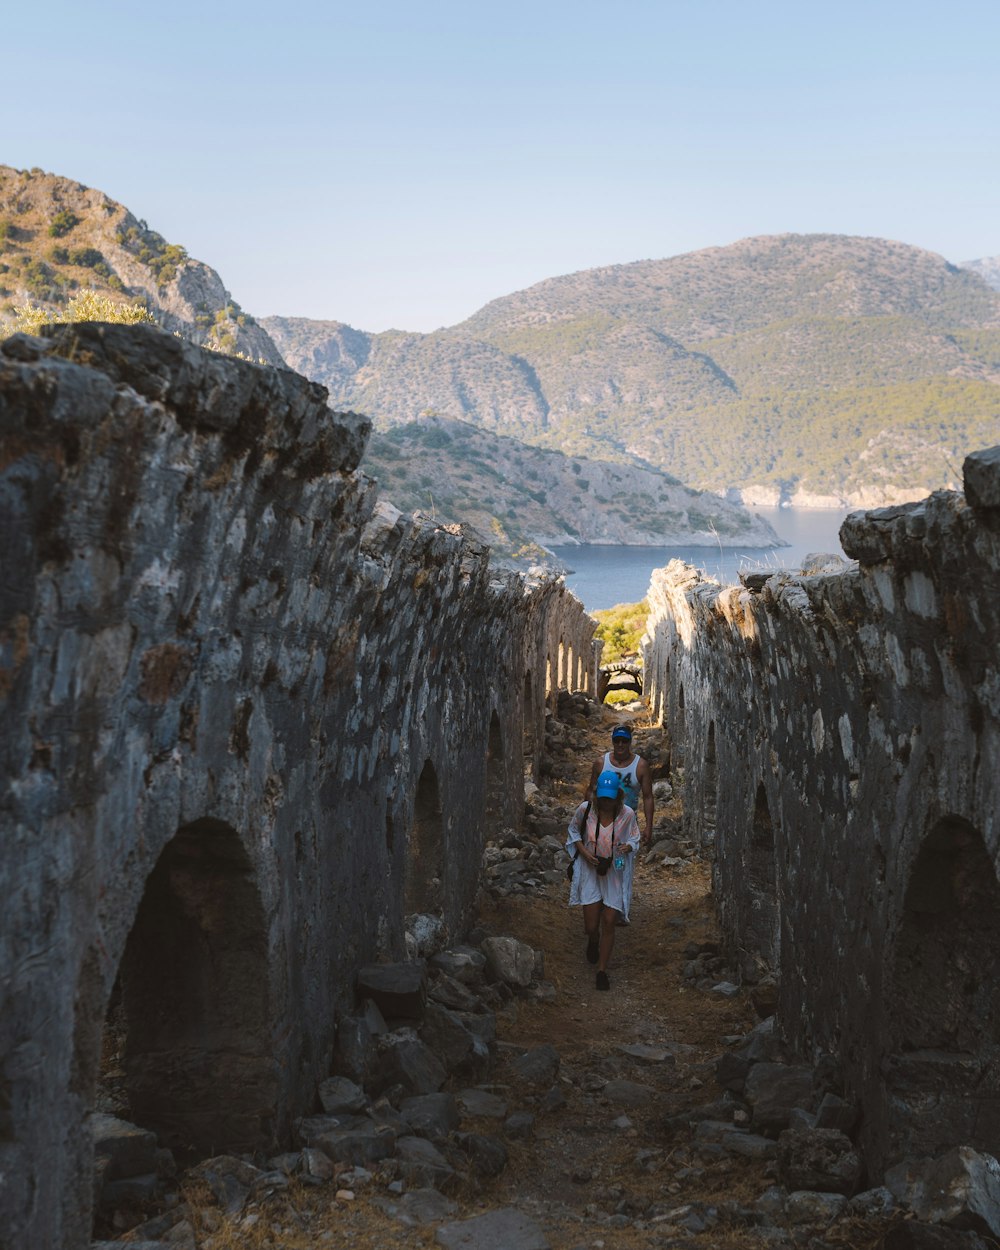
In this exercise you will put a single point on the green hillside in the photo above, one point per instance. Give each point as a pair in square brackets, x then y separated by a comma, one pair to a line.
[516, 496]
[814, 368]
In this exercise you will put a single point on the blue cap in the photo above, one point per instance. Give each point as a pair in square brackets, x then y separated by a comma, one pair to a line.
[608, 785]
[621, 731]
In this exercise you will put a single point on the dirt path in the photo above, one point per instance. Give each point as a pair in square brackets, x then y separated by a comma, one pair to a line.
[639, 1169]
[603, 1164]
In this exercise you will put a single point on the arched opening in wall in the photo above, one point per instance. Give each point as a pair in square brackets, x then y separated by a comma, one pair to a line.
[423, 889]
[710, 789]
[528, 727]
[189, 1025]
[943, 1072]
[562, 681]
[759, 947]
[495, 779]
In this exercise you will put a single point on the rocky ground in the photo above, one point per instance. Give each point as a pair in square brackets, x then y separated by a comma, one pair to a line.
[489, 1098]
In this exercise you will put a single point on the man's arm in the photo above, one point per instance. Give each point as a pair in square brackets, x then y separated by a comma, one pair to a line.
[595, 772]
[646, 785]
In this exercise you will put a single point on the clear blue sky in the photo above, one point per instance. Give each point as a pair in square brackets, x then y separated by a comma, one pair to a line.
[400, 164]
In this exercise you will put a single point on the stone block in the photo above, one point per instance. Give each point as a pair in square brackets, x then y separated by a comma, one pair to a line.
[486, 1154]
[821, 1159]
[128, 1149]
[445, 1034]
[421, 1163]
[433, 1116]
[962, 1188]
[509, 961]
[505, 1229]
[835, 1112]
[338, 1095]
[773, 1089]
[398, 990]
[538, 1066]
[354, 1053]
[464, 963]
[981, 478]
[810, 1207]
[410, 1063]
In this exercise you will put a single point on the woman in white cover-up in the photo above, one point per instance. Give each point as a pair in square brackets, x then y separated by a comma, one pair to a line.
[602, 836]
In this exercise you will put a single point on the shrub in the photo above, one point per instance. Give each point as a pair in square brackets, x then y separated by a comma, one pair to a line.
[59, 255]
[87, 306]
[62, 223]
[621, 628]
[87, 257]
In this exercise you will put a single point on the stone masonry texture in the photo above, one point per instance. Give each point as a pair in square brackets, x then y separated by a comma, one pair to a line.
[839, 736]
[249, 714]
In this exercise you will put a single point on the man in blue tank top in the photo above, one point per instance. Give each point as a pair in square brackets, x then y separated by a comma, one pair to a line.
[632, 769]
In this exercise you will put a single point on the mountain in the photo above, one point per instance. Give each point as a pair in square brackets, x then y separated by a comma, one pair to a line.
[988, 269]
[818, 369]
[518, 496]
[58, 236]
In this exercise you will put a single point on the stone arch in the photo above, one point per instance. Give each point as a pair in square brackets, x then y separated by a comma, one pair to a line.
[943, 1072]
[761, 933]
[496, 781]
[194, 1000]
[562, 682]
[423, 889]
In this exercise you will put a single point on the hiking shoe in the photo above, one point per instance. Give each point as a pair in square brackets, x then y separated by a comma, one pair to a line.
[602, 981]
[593, 948]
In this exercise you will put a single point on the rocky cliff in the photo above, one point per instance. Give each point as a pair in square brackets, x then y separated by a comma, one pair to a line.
[58, 236]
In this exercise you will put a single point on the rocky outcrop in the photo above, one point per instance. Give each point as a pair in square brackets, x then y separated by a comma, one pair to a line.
[839, 735]
[252, 719]
[58, 236]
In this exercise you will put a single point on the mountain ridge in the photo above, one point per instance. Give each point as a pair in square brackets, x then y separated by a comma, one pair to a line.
[721, 366]
[58, 237]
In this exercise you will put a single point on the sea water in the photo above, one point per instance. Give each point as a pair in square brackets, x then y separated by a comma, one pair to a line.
[604, 576]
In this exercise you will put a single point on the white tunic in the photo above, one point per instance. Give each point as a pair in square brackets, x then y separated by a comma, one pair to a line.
[614, 889]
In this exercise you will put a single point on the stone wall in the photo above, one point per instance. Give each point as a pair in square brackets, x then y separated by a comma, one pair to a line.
[840, 740]
[251, 718]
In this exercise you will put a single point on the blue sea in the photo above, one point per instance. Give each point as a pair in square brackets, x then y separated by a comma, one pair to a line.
[604, 576]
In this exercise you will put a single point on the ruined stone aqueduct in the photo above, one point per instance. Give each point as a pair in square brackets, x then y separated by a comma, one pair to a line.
[253, 717]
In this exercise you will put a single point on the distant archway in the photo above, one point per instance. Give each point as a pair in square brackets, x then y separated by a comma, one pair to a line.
[194, 1002]
[943, 1073]
[424, 889]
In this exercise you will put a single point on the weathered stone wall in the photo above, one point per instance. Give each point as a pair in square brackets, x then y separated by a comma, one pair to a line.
[841, 735]
[249, 717]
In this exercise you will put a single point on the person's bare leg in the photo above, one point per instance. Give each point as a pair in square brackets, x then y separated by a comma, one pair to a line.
[592, 928]
[607, 938]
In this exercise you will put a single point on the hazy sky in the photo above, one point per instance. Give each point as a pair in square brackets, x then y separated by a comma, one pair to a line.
[391, 164]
